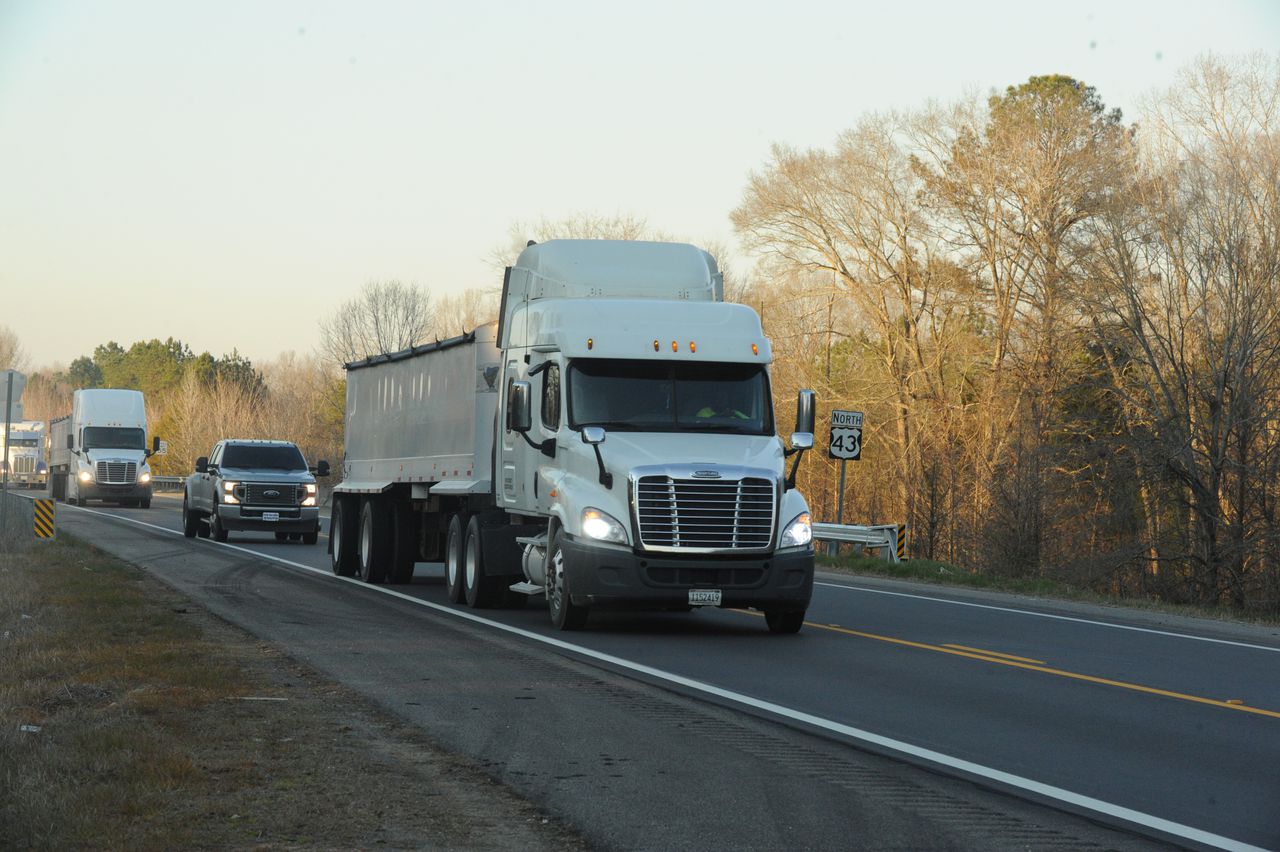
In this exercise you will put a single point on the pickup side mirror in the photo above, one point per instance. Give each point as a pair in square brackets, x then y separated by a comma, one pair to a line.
[202, 464]
[321, 468]
[519, 414]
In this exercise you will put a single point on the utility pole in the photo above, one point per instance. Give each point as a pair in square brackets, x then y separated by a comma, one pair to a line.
[4, 483]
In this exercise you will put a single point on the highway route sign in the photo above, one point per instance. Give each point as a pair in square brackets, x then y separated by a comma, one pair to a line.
[846, 435]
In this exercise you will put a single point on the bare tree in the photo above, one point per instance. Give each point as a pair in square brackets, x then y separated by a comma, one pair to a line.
[386, 317]
[12, 356]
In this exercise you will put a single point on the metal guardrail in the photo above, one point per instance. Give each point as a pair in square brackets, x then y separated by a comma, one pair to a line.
[890, 538]
[168, 483]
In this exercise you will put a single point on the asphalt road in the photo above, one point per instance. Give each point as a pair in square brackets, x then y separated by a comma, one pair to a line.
[900, 717]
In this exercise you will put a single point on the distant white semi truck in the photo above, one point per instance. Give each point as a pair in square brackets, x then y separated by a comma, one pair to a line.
[610, 442]
[25, 463]
[99, 451]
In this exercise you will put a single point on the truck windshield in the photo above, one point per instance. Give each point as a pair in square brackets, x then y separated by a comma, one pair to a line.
[263, 458]
[114, 438]
[670, 396]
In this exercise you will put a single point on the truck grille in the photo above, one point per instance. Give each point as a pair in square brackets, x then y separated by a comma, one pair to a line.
[117, 473]
[24, 464]
[270, 494]
[699, 514]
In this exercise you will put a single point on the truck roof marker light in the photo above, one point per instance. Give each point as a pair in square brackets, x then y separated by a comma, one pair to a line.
[675, 347]
[755, 350]
[693, 347]
[655, 345]
[590, 343]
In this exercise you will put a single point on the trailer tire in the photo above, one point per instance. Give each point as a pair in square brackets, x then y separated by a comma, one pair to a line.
[404, 541]
[342, 538]
[480, 590]
[453, 558]
[565, 614]
[784, 621]
[375, 540]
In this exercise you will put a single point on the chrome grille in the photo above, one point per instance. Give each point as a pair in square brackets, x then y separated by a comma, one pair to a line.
[269, 494]
[24, 464]
[117, 472]
[700, 514]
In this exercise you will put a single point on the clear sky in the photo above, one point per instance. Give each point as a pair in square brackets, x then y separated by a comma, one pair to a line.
[228, 173]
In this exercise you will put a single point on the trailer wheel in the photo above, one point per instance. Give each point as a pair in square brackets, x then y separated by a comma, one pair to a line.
[404, 543]
[565, 614]
[480, 591]
[190, 521]
[342, 538]
[453, 558]
[375, 541]
[784, 621]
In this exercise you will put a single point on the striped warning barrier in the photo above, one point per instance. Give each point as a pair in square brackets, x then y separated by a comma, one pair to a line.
[902, 542]
[44, 515]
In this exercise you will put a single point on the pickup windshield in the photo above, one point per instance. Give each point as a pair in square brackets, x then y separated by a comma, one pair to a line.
[263, 458]
[114, 438]
[670, 396]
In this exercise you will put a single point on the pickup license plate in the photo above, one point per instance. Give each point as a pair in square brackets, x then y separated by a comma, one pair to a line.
[270, 516]
[704, 597]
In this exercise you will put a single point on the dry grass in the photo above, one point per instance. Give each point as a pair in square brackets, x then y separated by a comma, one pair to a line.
[145, 741]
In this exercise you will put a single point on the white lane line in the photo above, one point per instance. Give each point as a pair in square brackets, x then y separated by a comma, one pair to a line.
[1035, 614]
[1057, 794]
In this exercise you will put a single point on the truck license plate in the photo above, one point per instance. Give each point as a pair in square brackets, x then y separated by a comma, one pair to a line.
[270, 516]
[704, 597]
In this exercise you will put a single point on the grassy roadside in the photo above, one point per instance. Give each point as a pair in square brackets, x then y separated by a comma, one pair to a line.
[942, 574]
[130, 718]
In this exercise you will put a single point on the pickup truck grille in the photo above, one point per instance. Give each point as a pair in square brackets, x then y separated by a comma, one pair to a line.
[117, 473]
[700, 514]
[269, 494]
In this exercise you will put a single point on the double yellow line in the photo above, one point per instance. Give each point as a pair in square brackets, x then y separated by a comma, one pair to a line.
[1039, 666]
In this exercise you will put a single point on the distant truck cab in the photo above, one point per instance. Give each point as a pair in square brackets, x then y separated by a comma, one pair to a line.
[99, 451]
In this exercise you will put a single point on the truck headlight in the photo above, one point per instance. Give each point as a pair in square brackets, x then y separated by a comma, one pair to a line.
[602, 527]
[86, 476]
[799, 532]
[228, 492]
[144, 478]
[308, 493]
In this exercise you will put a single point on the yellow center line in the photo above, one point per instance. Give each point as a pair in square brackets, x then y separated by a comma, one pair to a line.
[1003, 660]
[986, 653]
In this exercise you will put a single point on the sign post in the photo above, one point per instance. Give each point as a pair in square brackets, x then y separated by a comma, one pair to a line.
[4, 482]
[845, 444]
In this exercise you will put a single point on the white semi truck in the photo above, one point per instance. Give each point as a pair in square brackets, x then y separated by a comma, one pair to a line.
[99, 451]
[25, 463]
[609, 442]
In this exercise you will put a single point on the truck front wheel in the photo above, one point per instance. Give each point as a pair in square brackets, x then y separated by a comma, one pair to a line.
[342, 538]
[375, 540]
[784, 621]
[565, 614]
[479, 590]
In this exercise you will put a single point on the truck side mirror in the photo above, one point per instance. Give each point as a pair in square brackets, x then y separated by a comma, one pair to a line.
[202, 464]
[802, 440]
[519, 412]
[155, 445]
[322, 468]
[593, 434]
[805, 404]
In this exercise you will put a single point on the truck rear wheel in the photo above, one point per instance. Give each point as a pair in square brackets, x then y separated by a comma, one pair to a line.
[453, 558]
[342, 538]
[404, 542]
[565, 615]
[480, 591]
[375, 541]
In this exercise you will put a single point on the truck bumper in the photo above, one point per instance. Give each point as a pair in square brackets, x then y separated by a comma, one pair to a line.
[293, 519]
[621, 579]
[113, 493]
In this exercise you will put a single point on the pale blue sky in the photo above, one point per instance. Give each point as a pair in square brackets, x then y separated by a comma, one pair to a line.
[228, 173]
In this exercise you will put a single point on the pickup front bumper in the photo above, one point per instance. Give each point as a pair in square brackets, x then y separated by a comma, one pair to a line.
[293, 519]
[616, 578]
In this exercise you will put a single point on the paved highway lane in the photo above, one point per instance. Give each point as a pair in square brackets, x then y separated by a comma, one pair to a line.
[1103, 712]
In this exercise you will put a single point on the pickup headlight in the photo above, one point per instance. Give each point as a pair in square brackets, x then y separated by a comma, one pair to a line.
[228, 492]
[602, 526]
[86, 476]
[799, 532]
[307, 492]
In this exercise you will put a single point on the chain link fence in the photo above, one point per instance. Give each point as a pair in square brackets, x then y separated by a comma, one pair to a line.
[17, 526]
